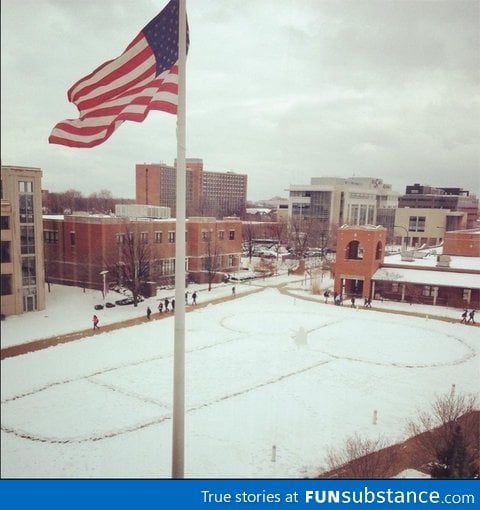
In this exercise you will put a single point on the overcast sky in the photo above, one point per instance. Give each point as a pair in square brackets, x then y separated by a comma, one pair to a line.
[282, 90]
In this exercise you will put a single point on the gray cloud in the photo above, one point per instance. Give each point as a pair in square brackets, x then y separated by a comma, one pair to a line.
[281, 90]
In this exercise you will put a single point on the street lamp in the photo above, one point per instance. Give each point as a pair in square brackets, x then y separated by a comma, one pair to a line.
[406, 231]
[104, 274]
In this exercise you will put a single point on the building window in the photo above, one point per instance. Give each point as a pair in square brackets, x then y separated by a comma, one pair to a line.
[26, 208]
[467, 294]
[394, 287]
[158, 237]
[231, 261]
[27, 239]
[231, 235]
[29, 276]
[171, 236]
[144, 237]
[5, 252]
[221, 235]
[25, 186]
[50, 236]
[73, 239]
[416, 224]
[427, 291]
[6, 284]
[120, 239]
[205, 235]
[4, 222]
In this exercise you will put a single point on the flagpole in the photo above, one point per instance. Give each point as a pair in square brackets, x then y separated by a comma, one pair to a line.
[178, 420]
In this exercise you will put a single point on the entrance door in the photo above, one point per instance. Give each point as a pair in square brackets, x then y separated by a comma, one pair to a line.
[29, 303]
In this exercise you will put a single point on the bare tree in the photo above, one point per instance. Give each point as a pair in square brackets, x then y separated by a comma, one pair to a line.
[437, 430]
[248, 235]
[212, 259]
[133, 266]
[359, 458]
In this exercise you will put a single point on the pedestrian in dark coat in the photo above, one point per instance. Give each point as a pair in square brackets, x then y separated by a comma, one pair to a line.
[353, 302]
[95, 322]
[173, 305]
[471, 317]
[166, 302]
[194, 298]
[326, 295]
[186, 297]
[464, 316]
[160, 307]
[149, 312]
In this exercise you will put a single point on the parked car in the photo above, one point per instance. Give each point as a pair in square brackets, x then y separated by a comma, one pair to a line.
[98, 307]
[109, 305]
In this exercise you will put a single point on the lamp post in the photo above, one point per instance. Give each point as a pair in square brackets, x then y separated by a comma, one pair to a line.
[406, 231]
[104, 292]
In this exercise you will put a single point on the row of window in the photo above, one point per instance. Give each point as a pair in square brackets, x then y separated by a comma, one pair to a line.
[51, 236]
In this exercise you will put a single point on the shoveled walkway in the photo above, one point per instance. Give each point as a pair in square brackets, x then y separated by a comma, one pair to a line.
[44, 343]
[36, 345]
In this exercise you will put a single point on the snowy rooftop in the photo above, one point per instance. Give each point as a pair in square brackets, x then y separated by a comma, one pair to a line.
[430, 261]
[428, 277]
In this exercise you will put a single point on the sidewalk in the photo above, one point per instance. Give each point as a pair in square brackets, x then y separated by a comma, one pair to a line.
[36, 345]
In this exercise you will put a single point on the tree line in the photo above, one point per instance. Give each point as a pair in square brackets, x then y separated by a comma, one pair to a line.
[66, 202]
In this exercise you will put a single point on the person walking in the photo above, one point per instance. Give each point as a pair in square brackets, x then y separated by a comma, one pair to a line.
[160, 307]
[194, 298]
[326, 295]
[166, 302]
[173, 304]
[186, 297]
[471, 317]
[233, 290]
[464, 317]
[353, 302]
[95, 322]
[149, 312]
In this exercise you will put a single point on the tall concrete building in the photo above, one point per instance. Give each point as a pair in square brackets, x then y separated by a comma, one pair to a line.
[453, 199]
[216, 194]
[22, 260]
[337, 201]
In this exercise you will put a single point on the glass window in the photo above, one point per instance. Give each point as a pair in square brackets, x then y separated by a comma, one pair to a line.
[171, 236]
[4, 222]
[6, 284]
[26, 208]
[5, 252]
[28, 271]
[27, 239]
[158, 237]
[25, 186]
[231, 235]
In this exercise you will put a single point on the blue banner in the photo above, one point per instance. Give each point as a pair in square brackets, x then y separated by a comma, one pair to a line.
[228, 494]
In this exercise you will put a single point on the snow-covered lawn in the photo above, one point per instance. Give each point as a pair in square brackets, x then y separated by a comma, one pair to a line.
[262, 370]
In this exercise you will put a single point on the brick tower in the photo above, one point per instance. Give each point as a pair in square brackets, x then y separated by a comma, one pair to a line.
[360, 252]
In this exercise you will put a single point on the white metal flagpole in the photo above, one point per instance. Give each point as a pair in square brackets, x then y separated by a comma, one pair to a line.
[178, 421]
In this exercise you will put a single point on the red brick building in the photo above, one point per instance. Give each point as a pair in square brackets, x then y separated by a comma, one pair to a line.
[77, 248]
[359, 254]
[448, 276]
[214, 194]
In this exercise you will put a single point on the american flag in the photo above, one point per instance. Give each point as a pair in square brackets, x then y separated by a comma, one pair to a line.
[143, 78]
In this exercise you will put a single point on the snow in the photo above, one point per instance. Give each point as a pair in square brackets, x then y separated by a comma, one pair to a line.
[273, 366]
[426, 277]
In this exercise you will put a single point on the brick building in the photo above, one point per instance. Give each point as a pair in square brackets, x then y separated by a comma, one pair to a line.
[215, 194]
[448, 276]
[79, 247]
[360, 252]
